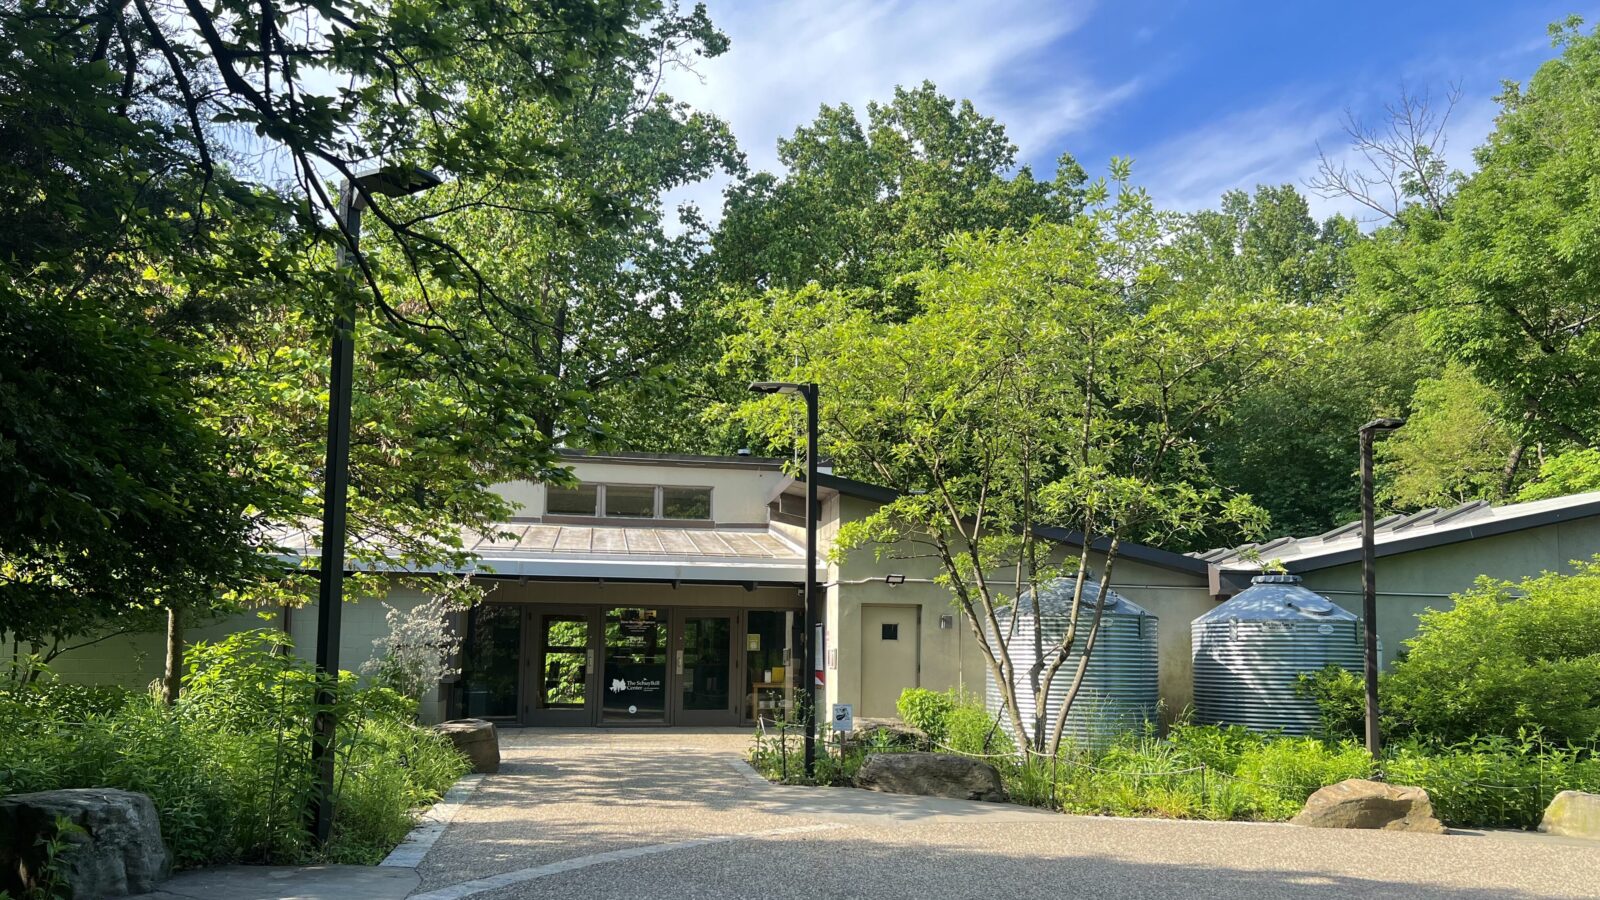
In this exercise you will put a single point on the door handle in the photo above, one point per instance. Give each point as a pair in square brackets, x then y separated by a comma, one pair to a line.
[588, 658]
[680, 662]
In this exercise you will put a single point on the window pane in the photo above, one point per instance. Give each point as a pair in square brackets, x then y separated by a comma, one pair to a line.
[630, 502]
[685, 503]
[578, 501]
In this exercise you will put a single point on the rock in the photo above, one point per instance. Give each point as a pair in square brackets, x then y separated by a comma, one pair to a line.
[1573, 814]
[477, 741]
[118, 852]
[931, 775]
[1359, 803]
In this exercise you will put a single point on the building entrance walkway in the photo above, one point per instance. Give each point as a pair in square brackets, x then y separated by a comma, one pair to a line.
[628, 813]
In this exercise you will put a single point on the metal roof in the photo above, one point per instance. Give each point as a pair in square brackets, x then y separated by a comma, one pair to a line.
[1402, 534]
[612, 552]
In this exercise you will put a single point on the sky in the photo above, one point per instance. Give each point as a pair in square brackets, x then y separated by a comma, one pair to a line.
[1203, 96]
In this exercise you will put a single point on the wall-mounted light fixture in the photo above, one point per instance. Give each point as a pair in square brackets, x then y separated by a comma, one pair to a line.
[894, 579]
[947, 621]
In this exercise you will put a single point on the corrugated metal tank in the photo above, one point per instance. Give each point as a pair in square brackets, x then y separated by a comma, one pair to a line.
[1120, 688]
[1250, 651]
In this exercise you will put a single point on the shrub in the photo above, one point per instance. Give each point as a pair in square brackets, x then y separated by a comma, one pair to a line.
[927, 711]
[1495, 782]
[1287, 770]
[1500, 663]
[228, 766]
[1341, 698]
[969, 728]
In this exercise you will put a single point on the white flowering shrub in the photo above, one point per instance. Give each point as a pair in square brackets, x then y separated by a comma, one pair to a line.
[416, 653]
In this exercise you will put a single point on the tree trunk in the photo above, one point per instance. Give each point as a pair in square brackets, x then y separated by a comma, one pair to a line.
[1508, 476]
[172, 678]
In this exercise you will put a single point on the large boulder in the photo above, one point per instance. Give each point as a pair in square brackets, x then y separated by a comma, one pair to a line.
[117, 852]
[1359, 803]
[931, 775]
[477, 741]
[1573, 814]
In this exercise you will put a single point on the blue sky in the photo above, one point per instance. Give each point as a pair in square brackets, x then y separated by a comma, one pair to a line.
[1205, 96]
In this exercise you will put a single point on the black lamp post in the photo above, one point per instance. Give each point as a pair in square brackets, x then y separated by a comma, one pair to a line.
[808, 637]
[388, 182]
[1369, 584]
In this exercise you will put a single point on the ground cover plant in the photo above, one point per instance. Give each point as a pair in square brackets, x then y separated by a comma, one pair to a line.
[227, 765]
[1207, 771]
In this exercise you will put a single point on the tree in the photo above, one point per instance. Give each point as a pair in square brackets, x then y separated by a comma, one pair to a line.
[1288, 441]
[864, 204]
[606, 310]
[1054, 377]
[1454, 448]
[166, 172]
[1497, 268]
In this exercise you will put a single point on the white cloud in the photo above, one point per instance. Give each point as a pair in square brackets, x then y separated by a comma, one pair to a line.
[1279, 143]
[787, 59]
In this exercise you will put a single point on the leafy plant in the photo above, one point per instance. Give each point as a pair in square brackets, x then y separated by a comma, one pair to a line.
[417, 651]
[927, 711]
[228, 765]
[1506, 657]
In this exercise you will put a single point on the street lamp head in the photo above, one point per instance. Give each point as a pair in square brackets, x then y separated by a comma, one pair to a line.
[774, 387]
[1383, 424]
[777, 387]
[397, 181]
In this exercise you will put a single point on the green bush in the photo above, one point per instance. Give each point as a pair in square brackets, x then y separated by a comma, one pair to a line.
[1495, 782]
[927, 711]
[1341, 698]
[228, 766]
[1506, 658]
[1288, 770]
[1231, 773]
[969, 728]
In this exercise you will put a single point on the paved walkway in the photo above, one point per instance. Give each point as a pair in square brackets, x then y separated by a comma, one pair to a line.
[628, 814]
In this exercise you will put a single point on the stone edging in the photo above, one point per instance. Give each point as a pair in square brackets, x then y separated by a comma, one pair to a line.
[433, 823]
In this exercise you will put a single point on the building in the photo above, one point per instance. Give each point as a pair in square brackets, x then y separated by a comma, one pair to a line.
[667, 589]
[1423, 558]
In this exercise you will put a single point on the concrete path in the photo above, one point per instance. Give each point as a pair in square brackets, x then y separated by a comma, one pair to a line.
[655, 813]
[627, 814]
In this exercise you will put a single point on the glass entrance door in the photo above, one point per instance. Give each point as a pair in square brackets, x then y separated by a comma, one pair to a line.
[706, 669]
[490, 660]
[563, 688]
[634, 686]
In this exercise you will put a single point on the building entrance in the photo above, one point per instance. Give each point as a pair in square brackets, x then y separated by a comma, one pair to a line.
[623, 665]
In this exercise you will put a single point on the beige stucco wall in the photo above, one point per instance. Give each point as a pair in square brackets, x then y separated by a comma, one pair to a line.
[739, 495]
[1411, 583]
[136, 660]
[951, 657]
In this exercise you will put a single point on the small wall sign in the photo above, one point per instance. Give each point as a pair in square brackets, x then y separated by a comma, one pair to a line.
[844, 717]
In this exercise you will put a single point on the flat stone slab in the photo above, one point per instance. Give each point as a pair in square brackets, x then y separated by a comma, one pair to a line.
[288, 883]
[1573, 814]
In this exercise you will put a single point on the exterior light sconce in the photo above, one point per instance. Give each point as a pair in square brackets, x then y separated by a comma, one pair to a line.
[894, 579]
[946, 622]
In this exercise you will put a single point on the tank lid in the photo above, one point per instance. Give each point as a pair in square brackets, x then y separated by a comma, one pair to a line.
[1055, 599]
[1277, 598]
[1275, 579]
